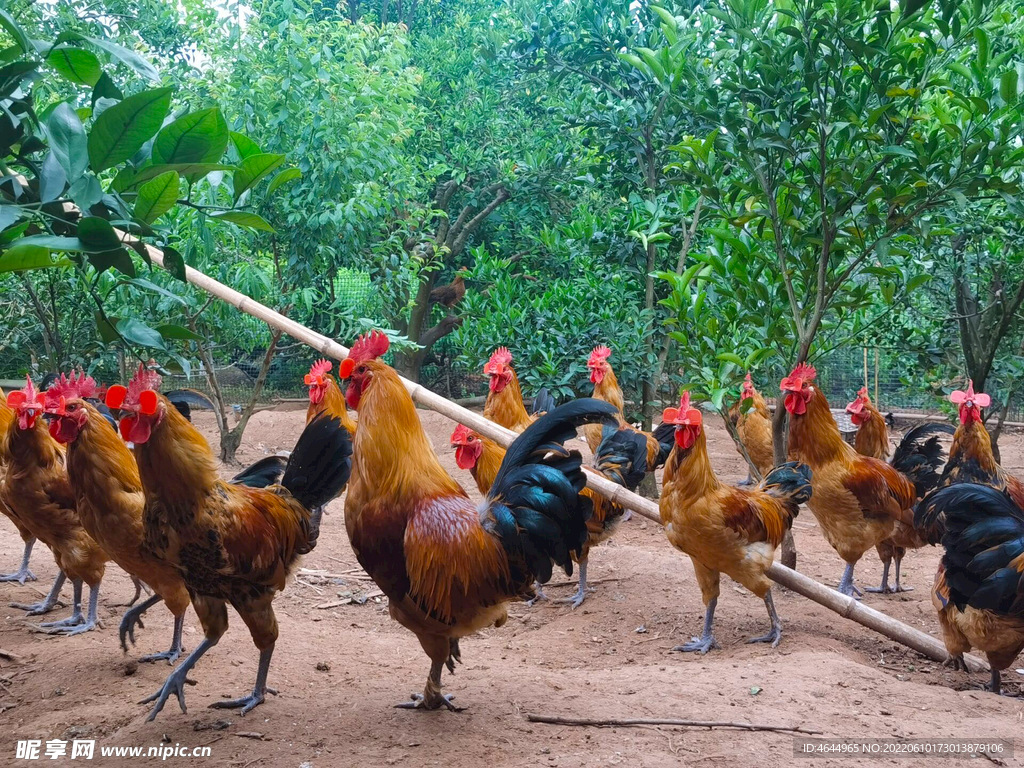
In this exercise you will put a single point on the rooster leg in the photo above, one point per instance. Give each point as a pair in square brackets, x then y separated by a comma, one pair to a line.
[627, 515]
[706, 641]
[175, 682]
[775, 633]
[35, 609]
[899, 561]
[132, 617]
[454, 655]
[539, 594]
[139, 588]
[259, 691]
[77, 624]
[581, 592]
[846, 583]
[23, 574]
[438, 649]
[996, 686]
[884, 589]
[171, 655]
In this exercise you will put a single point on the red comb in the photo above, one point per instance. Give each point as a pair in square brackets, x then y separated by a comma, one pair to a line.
[461, 433]
[599, 354]
[68, 387]
[319, 368]
[863, 392]
[144, 379]
[369, 346]
[24, 396]
[748, 380]
[805, 372]
[684, 414]
[979, 399]
[501, 356]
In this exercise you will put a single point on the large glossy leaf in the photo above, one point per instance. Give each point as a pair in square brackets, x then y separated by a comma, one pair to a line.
[252, 170]
[288, 174]
[157, 197]
[15, 31]
[245, 146]
[198, 137]
[178, 333]
[118, 259]
[244, 219]
[78, 65]
[52, 179]
[24, 257]
[137, 332]
[105, 88]
[68, 140]
[174, 263]
[130, 58]
[56, 243]
[97, 234]
[122, 129]
[191, 170]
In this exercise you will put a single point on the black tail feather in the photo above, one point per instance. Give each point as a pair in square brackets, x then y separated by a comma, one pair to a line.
[321, 462]
[920, 461]
[790, 483]
[187, 399]
[665, 434]
[266, 471]
[622, 456]
[534, 506]
[543, 402]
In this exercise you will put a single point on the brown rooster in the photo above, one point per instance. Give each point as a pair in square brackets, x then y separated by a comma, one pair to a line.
[621, 457]
[451, 294]
[857, 499]
[725, 529]
[109, 500]
[754, 427]
[23, 574]
[229, 543]
[37, 489]
[447, 565]
[504, 404]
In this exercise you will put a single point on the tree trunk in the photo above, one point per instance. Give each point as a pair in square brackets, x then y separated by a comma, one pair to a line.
[649, 383]
[229, 441]
[780, 442]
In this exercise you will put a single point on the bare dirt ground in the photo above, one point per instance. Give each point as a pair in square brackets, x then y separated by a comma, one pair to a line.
[341, 668]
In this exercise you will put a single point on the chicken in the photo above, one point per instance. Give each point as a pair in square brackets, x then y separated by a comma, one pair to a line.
[23, 574]
[447, 565]
[325, 395]
[979, 586]
[873, 440]
[857, 499]
[451, 294]
[606, 388]
[725, 529]
[109, 499]
[872, 432]
[504, 404]
[38, 491]
[754, 427]
[229, 543]
[621, 457]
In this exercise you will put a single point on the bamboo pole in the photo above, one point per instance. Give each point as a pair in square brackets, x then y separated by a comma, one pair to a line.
[834, 601]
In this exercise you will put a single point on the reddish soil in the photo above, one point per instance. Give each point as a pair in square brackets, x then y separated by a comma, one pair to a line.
[339, 669]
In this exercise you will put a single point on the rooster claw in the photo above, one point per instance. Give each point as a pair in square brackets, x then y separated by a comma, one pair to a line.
[956, 663]
[773, 637]
[454, 655]
[699, 645]
[38, 609]
[20, 576]
[175, 683]
[170, 656]
[247, 703]
[419, 701]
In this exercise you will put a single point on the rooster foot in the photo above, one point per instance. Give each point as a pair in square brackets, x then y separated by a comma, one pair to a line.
[170, 656]
[773, 637]
[885, 589]
[539, 595]
[419, 701]
[577, 598]
[700, 645]
[627, 515]
[21, 576]
[175, 683]
[75, 624]
[38, 609]
[246, 703]
[956, 663]
[454, 655]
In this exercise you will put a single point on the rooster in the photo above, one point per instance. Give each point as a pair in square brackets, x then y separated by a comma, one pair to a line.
[447, 565]
[504, 404]
[857, 500]
[23, 574]
[873, 440]
[979, 587]
[38, 491]
[451, 294]
[621, 457]
[229, 543]
[109, 499]
[325, 395]
[725, 529]
[754, 427]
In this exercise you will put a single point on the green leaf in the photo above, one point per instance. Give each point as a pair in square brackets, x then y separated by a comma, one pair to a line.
[123, 128]
[20, 38]
[68, 141]
[244, 219]
[52, 179]
[253, 169]
[151, 286]
[157, 197]
[56, 243]
[137, 332]
[917, 281]
[1008, 86]
[130, 58]
[893, 149]
[634, 61]
[108, 335]
[192, 170]
[24, 257]
[118, 259]
[105, 88]
[178, 333]
[245, 146]
[78, 65]
[198, 137]
[984, 45]
[174, 263]
[667, 18]
[730, 357]
[288, 174]
[97, 234]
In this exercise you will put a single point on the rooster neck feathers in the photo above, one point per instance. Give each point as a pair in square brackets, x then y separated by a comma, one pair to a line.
[691, 471]
[608, 390]
[814, 436]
